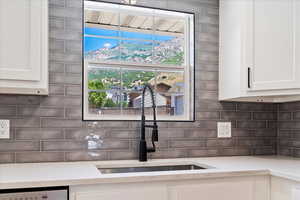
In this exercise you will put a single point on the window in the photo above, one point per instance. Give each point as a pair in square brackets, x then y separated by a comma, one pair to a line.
[126, 47]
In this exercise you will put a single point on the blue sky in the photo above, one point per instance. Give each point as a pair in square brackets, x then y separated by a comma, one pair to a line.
[91, 43]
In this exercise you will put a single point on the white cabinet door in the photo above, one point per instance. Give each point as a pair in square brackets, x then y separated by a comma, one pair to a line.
[273, 52]
[214, 191]
[296, 193]
[282, 189]
[235, 188]
[260, 48]
[149, 193]
[23, 46]
[239, 188]
[297, 34]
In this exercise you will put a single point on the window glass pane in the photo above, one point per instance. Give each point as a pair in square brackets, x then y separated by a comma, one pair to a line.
[134, 103]
[104, 78]
[105, 102]
[169, 41]
[100, 31]
[170, 104]
[101, 49]
[96, 21]
[134, 79]
[101, 35]
[170, 97]
[169, 52]
[136, 26]
[136, 32]
[170, 82]
[136, 51]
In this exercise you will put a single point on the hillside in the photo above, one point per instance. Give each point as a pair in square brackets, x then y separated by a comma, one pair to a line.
[165, 52]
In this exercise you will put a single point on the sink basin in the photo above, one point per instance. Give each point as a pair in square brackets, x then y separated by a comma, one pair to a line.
[148, 169]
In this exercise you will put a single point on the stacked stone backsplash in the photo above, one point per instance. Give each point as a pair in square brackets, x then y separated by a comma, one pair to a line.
[50, 128]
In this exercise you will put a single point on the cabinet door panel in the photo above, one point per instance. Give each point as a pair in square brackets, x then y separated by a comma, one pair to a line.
[24, 47]
[297, 34]
[125, 194]
[282, 189]
[273, 54]
[214, 191]
[20, 39]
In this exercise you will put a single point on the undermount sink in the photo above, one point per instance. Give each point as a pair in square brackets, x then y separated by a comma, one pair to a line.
[135, 169]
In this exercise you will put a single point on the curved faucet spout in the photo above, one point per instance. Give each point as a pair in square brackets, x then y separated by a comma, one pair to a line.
[143, 150]
[152, 99]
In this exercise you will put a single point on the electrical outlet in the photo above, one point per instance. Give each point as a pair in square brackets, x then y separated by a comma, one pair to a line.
[4, 129]
[224, 129]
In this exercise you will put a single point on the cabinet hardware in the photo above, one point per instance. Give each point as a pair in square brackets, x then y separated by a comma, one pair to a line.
[249, 77]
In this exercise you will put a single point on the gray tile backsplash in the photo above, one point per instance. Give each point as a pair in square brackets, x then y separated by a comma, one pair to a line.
[289, 129]
[50, 128]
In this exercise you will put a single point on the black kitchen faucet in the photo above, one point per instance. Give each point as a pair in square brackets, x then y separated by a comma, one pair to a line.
[143, 150]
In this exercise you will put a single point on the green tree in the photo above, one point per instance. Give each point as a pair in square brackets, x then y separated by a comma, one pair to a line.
[109, 103]
[96, 98]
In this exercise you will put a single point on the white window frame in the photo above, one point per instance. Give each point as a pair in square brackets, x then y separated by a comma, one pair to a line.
[187, 68]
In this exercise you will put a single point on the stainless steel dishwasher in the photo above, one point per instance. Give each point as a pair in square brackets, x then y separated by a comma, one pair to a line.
[50, 193]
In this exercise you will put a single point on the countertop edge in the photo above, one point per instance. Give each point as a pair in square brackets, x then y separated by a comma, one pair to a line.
[136, 178]
[86, 173]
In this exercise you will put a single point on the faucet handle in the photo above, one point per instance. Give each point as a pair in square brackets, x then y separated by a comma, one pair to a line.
[155, 134]
[151, 150]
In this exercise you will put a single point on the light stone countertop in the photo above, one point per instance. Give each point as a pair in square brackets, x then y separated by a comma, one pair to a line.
[81, 173]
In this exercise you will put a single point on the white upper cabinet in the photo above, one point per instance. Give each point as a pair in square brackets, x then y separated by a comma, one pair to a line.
[259, 50]
[24, 47]
[272, 56]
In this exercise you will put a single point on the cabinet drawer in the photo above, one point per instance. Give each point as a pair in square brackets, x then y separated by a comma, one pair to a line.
[125, 194]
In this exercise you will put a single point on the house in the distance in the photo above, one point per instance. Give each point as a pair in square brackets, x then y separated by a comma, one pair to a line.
[170, 93]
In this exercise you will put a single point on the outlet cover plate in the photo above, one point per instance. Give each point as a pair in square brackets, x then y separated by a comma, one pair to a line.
[224, 129]
[4, 129]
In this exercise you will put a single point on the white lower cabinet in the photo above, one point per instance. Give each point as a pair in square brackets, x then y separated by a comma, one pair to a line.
[284, 189]
[238, 188]
[131, 193]
[255, 188]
